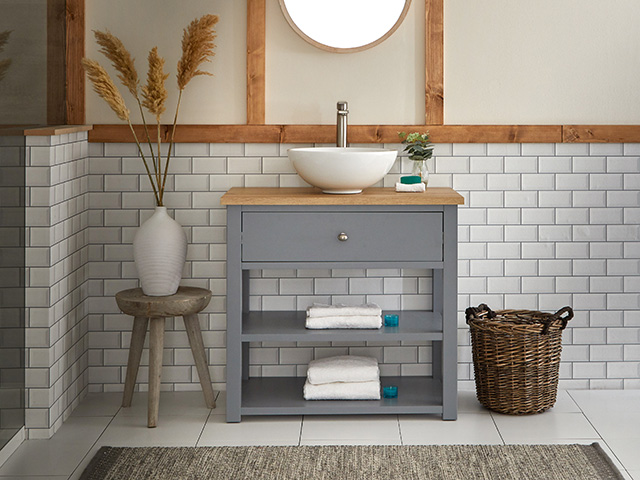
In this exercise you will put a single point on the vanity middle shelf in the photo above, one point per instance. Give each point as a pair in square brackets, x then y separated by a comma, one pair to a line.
[290, 326]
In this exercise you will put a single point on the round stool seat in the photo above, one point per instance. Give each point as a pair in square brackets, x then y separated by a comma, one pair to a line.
[186, 301]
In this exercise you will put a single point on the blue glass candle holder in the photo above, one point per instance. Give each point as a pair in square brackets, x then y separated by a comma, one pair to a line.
[391, 320]
[390, 391]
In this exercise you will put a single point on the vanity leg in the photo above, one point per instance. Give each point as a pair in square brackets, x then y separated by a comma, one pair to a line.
[235, 295]
[449, 315]
[245, 361]
[245, 309]
[436, 357]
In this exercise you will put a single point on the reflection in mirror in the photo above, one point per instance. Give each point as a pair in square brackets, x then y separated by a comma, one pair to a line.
[344, 26]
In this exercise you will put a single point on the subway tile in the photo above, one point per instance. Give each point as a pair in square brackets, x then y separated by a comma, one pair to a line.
[523, 164]
[538, 181]
[464, 149]
[503, 149]
[554, 164]
[520, 199]
[504, 181]
[486, 164]
[605, 149]
[570, 149]
[547, 149]
[604, 181]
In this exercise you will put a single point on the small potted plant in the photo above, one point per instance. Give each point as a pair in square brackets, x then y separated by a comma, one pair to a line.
[420, 149]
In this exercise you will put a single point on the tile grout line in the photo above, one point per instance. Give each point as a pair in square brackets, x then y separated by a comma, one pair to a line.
[301, 427]
[497, 428]
[599, 435]
[206, 421]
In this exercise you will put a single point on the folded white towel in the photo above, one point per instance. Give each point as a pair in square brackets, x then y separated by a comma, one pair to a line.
[413, 187]
[343, 368]
[341, 310]
[349, 321]
[343, 391]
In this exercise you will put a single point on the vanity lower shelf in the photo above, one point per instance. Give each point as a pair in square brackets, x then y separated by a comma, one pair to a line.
[289, 326]
[283, 396]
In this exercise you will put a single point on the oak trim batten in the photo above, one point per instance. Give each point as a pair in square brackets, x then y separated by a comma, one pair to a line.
[256, 61]
[434, 62]
[326, 133]
[75, 91]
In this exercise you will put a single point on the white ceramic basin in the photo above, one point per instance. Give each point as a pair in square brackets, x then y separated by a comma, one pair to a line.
[342, 169]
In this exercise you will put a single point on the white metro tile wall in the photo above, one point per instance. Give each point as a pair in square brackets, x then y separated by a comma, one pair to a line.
[57, 252]
[544, 225]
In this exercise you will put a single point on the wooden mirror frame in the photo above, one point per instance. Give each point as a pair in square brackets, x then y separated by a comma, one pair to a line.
[328, 48]
[257, 131]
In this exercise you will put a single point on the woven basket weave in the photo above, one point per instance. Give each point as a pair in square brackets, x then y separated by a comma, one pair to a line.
[516, 357]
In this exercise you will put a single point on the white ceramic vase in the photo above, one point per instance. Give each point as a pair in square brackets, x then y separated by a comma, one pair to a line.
[159, 253]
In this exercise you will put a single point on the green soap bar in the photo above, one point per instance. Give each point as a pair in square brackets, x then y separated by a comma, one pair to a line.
[410, 179]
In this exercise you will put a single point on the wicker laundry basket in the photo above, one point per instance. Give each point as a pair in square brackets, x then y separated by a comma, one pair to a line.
[516, 357]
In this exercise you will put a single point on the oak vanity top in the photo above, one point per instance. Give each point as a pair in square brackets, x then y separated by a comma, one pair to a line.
[314, 196]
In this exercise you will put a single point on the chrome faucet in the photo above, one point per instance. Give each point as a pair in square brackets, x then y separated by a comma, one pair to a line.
[341, 128]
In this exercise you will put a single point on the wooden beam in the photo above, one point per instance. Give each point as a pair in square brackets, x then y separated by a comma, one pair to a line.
[601, 133]
[434, 62]
[75, 104]
[256, 40]
[326, 133]
[56, 70]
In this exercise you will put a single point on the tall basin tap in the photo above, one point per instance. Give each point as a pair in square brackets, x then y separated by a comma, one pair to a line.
[341, 124]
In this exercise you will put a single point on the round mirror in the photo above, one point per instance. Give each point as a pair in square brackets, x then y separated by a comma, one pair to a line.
[344, 26]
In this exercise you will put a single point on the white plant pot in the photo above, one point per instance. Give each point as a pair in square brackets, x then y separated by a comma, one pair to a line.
[159, 253]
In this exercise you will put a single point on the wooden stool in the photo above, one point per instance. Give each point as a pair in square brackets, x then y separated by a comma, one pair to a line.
[187, 302]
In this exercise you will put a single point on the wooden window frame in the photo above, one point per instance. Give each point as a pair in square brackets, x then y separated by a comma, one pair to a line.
[257, 131]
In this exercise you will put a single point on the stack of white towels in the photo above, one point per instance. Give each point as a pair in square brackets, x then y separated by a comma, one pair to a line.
[345, 377]
[321, 316]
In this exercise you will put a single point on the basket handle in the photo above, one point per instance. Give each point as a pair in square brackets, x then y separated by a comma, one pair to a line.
[471, 313]
[569, 315]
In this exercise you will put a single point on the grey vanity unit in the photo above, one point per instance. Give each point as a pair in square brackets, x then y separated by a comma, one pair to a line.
[295, 228]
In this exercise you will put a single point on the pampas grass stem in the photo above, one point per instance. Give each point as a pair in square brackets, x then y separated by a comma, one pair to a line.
[115, 51]
[197, 48]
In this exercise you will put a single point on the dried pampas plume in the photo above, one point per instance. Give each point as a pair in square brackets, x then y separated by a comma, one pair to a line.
[197, 47]
[105, 88]
[154, 93]
[120, 58]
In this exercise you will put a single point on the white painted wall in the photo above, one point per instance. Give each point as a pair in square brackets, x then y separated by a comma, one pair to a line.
[23, 90]
[543, 62]
[506, 62]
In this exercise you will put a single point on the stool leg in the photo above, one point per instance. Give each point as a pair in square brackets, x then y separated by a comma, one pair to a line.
[156, 344]
[135, 352]
[192, 325]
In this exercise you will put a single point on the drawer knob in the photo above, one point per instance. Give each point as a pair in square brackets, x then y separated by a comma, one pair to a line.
[343, 237]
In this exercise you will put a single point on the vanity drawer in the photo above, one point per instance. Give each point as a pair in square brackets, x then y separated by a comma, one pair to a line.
[316, 236]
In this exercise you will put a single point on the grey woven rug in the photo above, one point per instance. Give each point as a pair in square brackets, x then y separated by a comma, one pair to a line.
[455, 462]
